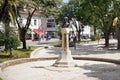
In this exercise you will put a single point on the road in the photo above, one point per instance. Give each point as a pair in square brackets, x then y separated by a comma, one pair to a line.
[42, 42]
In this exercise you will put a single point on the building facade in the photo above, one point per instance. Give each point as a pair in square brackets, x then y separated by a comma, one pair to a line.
[38, 24]
[35, 24]
[50, 26]
[40, 27]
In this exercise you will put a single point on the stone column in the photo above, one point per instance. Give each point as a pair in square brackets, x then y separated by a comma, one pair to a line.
[32, 36]
[63, 41]
[65, 58]
[67, 41]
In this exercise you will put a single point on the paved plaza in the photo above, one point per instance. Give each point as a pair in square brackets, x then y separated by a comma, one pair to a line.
[85, 69]
[42, 70]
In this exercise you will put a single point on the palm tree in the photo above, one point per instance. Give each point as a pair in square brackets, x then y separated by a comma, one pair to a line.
[7, 9]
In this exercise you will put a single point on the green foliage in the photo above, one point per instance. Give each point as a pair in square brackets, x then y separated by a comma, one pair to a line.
[17, 53]
[95, 37]
[0, 78]
[49, 7]
[11, 39]
[1, 38]
[59, 44]
[13, 42]
[98, 13]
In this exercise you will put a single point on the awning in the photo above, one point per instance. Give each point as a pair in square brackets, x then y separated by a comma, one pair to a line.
[39, 30]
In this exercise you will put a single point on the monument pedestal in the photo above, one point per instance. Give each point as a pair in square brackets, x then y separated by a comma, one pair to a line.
[65, 59]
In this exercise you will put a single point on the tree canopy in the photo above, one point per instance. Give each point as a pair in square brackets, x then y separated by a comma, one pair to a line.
[98, 13]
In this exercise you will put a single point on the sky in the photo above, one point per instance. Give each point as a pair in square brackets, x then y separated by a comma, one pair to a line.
[65, 1]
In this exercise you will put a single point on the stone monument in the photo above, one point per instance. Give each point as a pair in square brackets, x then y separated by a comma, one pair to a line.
[65, 59]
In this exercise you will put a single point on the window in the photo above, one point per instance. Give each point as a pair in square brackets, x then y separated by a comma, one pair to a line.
[35, 22]
[51, 20]
[49, 25]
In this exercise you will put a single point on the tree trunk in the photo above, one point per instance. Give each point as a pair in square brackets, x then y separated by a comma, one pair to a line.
[106, 39]
[10, 52]
[95, 31]
[22, 37]
[118, 37]
[24, 43]
[79, 39]
[2, 12]
[6, 36]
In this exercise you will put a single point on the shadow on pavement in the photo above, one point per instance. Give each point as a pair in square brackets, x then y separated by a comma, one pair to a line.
[85, 50]
[103, 71]
[92, 49]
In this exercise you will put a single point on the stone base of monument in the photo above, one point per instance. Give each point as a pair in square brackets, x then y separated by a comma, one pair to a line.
[65, 60]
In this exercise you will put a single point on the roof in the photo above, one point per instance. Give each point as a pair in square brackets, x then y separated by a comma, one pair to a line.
[37, 13]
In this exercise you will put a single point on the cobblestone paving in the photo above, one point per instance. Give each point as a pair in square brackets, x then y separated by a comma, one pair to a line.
[42, 70]
[86, 70]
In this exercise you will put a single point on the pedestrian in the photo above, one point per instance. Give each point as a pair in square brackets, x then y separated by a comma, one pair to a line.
[47, 37]
[74, 41]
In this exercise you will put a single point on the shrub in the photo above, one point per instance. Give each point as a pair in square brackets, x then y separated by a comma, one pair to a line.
[1, 38]
[95, 37]
[92, 38]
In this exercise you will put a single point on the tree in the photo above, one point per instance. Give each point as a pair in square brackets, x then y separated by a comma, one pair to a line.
[46, 7]
[3, 6]
[7, 17]
[69, 10]
[50, 7]
[97, 13]
[116, 13]
[1, 38]
[30, 8]
[12, 40]
[7, 9]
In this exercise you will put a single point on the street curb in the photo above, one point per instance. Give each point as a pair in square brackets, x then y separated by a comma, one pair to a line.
[24, 60]
[97, 59]
[35, 51]
[38, 49]
[19, 61]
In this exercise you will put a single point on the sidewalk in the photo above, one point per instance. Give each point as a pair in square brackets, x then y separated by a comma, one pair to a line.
[91, 49]
[86, 70]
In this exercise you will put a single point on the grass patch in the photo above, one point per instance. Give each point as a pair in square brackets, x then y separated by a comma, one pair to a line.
[17, 53]
[59, 44]
[0, 78]
[56, 44]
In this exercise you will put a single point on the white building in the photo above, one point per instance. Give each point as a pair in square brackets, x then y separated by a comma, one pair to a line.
[35, 24]
[86, 31]
[35, 20]
[49, 25]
